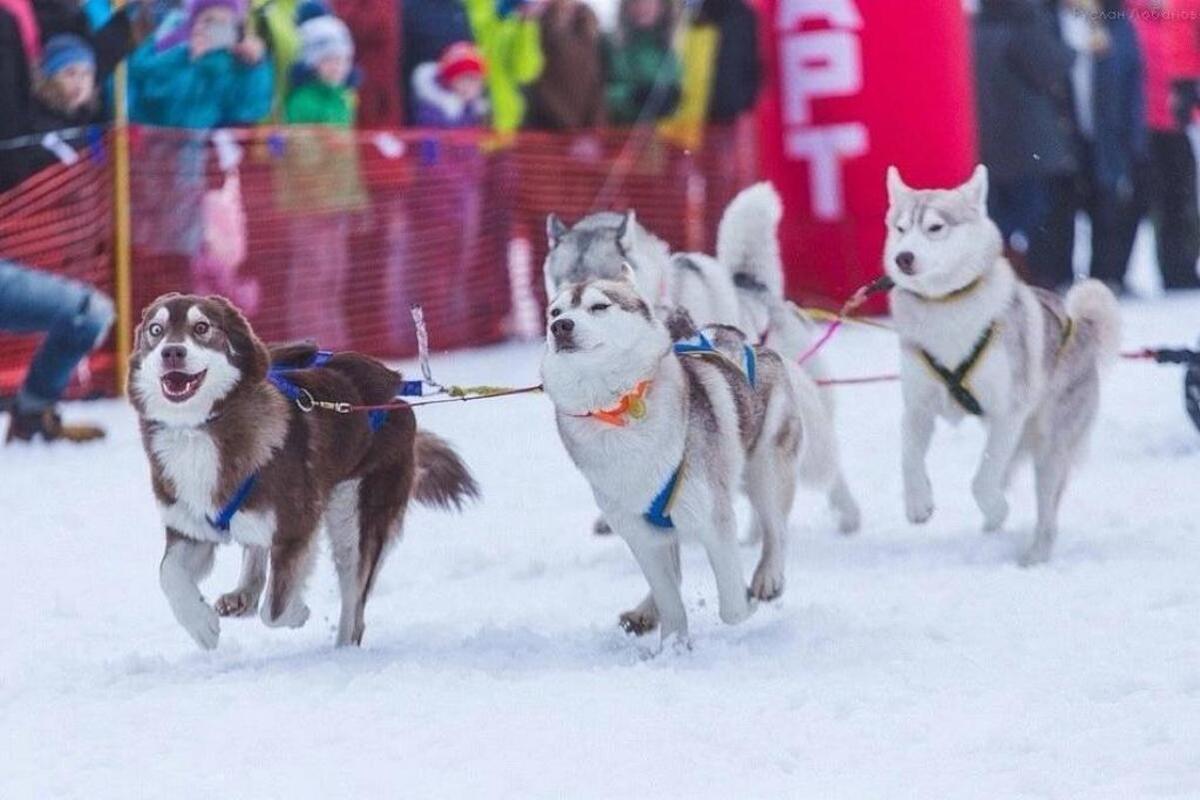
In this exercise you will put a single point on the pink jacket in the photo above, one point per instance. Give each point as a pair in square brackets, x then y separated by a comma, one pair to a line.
[1169, 31]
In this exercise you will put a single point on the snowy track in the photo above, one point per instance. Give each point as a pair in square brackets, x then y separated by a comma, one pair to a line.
[906, 662]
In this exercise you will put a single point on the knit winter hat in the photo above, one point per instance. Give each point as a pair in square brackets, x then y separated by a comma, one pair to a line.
[195, 8]
[64, 50]
[192, 9]
[460, 58]
[324, 37]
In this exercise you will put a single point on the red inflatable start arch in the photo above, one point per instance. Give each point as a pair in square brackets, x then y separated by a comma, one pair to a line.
[852, 86]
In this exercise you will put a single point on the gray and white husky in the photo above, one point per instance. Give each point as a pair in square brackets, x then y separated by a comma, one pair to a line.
[666, 440]
[976, 341]
[742, 286]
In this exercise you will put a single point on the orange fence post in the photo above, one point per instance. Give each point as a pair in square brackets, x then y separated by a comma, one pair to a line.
[122, 244]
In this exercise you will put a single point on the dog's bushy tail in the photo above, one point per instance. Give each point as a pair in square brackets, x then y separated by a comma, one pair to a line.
[443, 480]
[748, 236]
[1093, 307]
[817, 466]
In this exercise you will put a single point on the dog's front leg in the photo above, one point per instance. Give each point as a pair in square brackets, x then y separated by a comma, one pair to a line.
[1003, 438]
[185, 563]
[916, 434]
[719, 537]
[243, 601]
[658, 555]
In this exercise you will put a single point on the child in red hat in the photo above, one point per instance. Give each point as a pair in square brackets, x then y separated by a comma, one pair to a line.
[449, 93]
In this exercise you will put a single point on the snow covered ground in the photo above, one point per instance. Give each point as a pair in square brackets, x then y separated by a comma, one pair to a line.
[905, 662]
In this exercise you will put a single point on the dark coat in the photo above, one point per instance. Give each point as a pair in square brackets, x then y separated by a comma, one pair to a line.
[375, 26]
[1023, 91]
[14, 83]
[570, 93]
[42, 117]
[430, 26]
[737, 73]
[1120, 108]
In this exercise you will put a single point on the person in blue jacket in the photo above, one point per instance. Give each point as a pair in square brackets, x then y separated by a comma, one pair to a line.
[212, 73]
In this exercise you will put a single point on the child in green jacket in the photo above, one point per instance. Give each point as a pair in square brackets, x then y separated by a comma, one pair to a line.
[321, 185]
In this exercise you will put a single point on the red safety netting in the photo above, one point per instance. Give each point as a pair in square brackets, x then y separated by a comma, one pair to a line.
[332, 235]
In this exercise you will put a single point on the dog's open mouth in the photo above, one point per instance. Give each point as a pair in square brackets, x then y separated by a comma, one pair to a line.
[180, 386]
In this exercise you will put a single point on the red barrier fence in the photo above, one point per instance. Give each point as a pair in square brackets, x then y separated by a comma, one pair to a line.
[331, 234]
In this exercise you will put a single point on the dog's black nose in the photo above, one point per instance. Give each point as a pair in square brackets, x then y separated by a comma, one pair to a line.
[905, 262]
[561, 327]
[174, 356]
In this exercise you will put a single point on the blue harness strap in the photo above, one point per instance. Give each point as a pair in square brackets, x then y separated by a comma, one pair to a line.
[411, 389]
[277, 375]
[659, 512]
[751, 365]
[700, 345]
[227, 512]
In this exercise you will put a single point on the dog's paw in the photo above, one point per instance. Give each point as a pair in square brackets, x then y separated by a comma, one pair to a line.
[849, 519]
[994, 508]
[767, 584]
[736, 610]
[236, 604]
[639, 621]
[1035, 555]
[601, 527]
[918, 510]
[203, 624]
[294, 616]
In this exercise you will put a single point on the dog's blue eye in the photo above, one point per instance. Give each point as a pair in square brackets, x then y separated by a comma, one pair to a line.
[200, 328]
[600, 307]
[155, 329]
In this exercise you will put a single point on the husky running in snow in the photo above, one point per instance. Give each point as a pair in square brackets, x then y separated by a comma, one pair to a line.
[976, 341]
[742, 286]
[666, 440]
[234, 460]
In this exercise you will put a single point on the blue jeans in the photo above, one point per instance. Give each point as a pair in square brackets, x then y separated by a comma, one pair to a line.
[75, 318]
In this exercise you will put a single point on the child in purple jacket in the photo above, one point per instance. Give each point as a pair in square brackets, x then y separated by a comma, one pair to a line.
[449, 93]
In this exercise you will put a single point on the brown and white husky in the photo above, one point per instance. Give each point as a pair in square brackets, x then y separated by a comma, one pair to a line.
[233, 460]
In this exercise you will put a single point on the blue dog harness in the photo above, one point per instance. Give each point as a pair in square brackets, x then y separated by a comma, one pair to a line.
[659, 512]
[277, 376]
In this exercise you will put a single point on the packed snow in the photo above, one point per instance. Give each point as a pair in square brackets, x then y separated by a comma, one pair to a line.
[902, 662]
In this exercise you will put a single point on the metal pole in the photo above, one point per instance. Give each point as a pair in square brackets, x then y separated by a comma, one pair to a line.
[122, 243]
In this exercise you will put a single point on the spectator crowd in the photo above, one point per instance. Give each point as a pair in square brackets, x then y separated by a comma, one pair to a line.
[326, 67]
[374, 64]
[1084, 107]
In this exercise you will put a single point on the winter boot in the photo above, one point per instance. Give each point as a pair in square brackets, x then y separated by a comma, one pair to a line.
[25, 426]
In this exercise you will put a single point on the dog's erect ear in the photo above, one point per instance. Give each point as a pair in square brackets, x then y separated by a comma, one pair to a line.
[555, 230]
[627, 274]
[246, 350]
[976, 189]
[680, 324]
[625, 231]
[896, 187]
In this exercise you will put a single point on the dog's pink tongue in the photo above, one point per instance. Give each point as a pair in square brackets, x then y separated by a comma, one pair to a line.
[177, 381]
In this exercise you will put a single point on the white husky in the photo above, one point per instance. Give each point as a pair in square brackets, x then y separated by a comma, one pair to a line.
[977, 341]
[665, 440]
